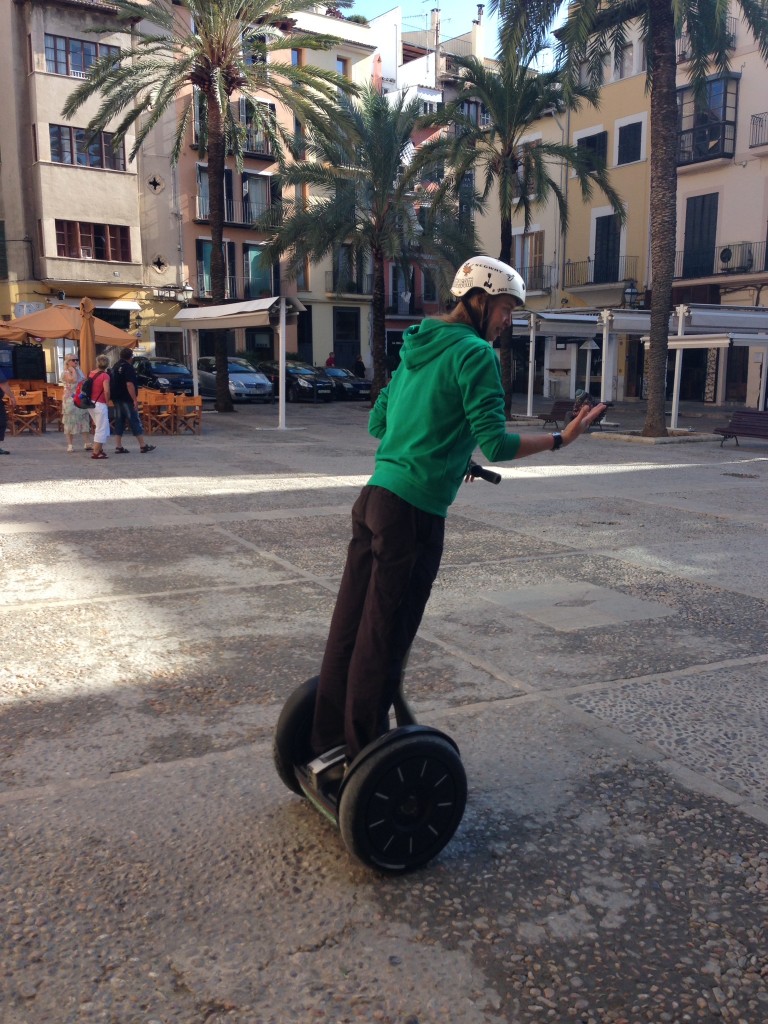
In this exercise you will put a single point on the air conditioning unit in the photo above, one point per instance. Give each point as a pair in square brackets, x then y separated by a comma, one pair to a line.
[737, 258]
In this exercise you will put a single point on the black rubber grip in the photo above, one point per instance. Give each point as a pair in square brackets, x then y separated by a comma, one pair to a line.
[483, 474]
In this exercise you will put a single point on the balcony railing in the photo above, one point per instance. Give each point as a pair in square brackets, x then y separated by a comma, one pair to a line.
[599, 271]
[256, 143]
[236, 211]
[537, 277]
[733, 258]
[758, 130]
[707, 142]
[398, 305]
[684, 51]
[348, 284]
[204, 284]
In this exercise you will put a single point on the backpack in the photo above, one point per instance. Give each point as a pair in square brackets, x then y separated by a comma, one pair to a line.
[82, 396]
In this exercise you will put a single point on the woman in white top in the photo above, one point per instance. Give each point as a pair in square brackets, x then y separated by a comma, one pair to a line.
[75, 421]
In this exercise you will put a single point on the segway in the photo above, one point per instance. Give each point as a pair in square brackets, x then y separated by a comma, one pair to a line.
[401, 799]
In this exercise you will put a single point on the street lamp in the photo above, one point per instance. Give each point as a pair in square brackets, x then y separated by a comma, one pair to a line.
[631, 294]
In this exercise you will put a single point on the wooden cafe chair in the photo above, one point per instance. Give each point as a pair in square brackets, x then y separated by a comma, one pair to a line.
[28, 415]
[189, 414]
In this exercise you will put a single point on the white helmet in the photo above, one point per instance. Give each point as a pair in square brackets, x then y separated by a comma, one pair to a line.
[493, 276]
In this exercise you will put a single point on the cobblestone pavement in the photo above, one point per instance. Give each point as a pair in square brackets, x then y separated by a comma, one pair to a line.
[596, 644]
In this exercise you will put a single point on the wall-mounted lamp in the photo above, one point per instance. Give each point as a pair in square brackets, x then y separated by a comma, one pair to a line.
[172, 293]
[631, 294]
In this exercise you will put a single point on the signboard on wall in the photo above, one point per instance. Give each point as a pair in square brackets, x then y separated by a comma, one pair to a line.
[25, 308]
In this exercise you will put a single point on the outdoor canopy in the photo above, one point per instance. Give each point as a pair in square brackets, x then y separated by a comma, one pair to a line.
[62, 321]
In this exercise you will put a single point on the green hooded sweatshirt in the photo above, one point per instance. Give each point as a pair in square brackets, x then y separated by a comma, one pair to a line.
[444, 400]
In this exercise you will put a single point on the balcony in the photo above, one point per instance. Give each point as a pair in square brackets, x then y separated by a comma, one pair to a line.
[398, 305]
[707, 142]
[733, 258]
[340, 283]
[256, 143]
[599, 271]
[239, 212]
[538, 277]
[684, 51]
[758, 130]
[203, 290]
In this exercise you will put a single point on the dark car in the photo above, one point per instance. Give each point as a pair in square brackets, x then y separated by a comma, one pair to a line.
[246, 383]
[346, 384]
[305, 384]
[160, 374]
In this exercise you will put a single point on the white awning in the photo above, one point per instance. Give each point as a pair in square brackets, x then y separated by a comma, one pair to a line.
[253, 313]
[566, 325]
[715, 341]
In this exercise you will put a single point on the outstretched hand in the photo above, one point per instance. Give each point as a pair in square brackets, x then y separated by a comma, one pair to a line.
[582, 421]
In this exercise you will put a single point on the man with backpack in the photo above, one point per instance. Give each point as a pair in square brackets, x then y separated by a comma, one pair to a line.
[125, 398]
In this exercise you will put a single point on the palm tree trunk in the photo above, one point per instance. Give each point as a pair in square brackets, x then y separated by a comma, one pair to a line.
[505, 341]
[216, 167]
[663, 209]
[378, 308]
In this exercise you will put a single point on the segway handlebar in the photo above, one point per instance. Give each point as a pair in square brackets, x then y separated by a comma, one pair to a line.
[483, 473]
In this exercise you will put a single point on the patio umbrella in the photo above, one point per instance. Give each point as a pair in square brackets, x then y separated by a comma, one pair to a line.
[61, 321]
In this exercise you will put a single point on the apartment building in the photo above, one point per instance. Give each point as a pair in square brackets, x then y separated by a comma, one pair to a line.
[722, 221]
[69, 205]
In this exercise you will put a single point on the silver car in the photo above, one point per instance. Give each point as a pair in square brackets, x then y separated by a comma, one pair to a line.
[246, 384]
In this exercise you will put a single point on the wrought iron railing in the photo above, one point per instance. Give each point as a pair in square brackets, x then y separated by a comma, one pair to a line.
[707, 142]
[256, 143]
[399, 305]
[236, 211]
[204, 284]
[537, 277]
[732, 258]
[684, 50]
[758, 130]
[348, 283]
[599, 271]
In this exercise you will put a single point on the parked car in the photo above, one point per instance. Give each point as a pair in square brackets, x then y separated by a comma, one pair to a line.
[345, 383]
[161, 374]
[305, 384]
[246, 384]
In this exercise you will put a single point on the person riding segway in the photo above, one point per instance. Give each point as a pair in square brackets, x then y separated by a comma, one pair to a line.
[333, 742]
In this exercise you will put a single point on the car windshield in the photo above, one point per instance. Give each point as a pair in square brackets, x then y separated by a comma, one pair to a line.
[240, 366]
[169, 366]
[331, 371]
[302, 369]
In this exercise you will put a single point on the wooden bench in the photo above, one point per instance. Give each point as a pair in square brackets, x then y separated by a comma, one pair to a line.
[745, 423]
[560, 409]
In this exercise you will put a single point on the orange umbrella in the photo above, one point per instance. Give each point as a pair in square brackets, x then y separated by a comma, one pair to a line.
[60, 321]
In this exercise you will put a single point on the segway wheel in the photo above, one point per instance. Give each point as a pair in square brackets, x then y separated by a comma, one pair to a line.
[402, 805]
[291, 744]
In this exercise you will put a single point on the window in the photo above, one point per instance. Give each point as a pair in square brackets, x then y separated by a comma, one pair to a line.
[430, 287]
[204, 199]
[254, 115]
[596, 144]
[257, 273]
[623, 61]
[203, 247]
[707, 128]
[297, 58]
[74, 57]
[607, 249]
[255, 196]
[342, 66]
[76, 146]
[528, 257]
[298, 131]
[254, 51]
[630, 142]
[467, 198]
[302, 277]
[82, 241]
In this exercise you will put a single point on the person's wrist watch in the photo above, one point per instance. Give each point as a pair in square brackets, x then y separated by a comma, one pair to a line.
[557, 441]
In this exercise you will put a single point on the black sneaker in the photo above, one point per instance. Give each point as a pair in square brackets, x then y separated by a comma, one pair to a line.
[147, 448]
[4, 451]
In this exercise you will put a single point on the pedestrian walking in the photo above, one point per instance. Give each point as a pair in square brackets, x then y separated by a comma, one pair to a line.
[74, 420]
[125, 398]
[99, 412]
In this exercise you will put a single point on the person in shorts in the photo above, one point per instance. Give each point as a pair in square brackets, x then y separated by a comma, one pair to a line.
[99, 413]
[125, 398]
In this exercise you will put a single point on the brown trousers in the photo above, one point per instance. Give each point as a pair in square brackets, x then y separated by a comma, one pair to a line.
[392, 561]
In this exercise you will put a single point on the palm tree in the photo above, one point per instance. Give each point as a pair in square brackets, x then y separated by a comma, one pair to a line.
[203, 53]
[374, 192]
[515, 99]
[595, 29]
